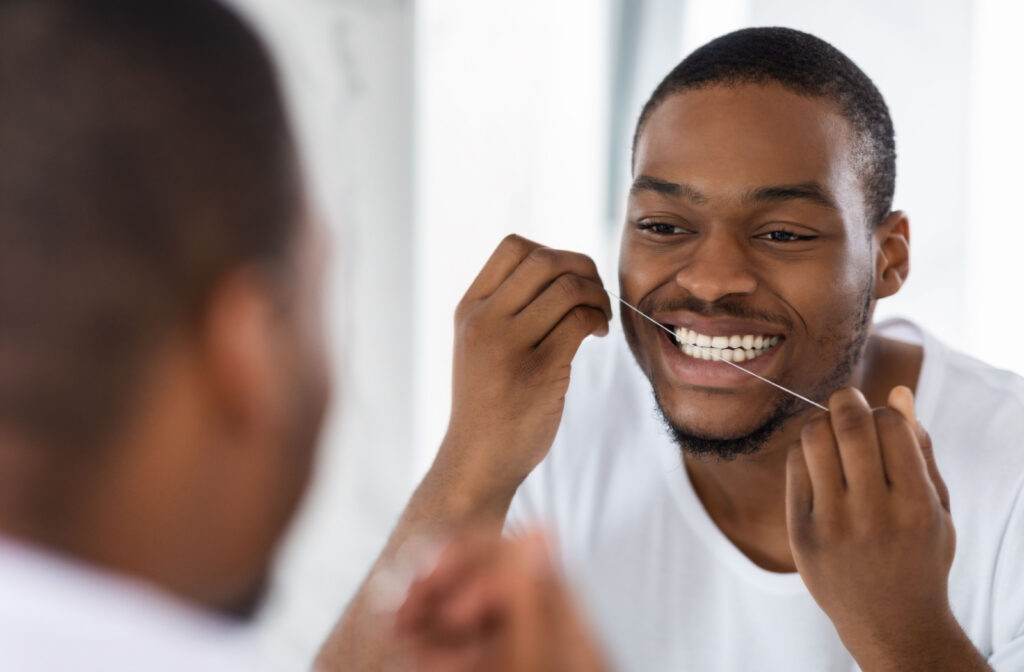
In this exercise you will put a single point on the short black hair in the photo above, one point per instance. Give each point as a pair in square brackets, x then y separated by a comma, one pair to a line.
[144, 153]
[808, 66]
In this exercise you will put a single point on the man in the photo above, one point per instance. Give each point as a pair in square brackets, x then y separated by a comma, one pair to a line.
[759, 230]
[162, 366]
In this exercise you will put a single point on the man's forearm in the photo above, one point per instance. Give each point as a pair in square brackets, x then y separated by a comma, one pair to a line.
[447, 498]
[945, 648]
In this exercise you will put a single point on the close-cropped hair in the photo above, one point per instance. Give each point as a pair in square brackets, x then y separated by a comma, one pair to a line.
[144, 152]
[808, 66]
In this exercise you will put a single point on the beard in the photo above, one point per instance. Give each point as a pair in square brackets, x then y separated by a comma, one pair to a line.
[848, 343]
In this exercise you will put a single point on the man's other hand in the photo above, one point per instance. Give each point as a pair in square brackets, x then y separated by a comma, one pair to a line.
[496, 605]
[871, 532]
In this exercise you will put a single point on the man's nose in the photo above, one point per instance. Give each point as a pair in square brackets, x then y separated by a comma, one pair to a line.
[717, 267]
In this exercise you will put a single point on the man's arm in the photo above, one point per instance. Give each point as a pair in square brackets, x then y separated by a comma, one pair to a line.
[873, 538]
[517, 330]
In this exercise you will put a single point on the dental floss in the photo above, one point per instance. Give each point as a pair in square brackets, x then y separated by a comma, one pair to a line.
[716, 357]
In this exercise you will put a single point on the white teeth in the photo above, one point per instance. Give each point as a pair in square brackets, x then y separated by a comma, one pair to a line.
[736, 348]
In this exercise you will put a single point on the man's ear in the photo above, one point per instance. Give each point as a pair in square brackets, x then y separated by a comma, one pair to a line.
[238, 338]
[892, 263]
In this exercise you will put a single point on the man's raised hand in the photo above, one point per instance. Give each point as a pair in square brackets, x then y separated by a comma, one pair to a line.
[517, 330]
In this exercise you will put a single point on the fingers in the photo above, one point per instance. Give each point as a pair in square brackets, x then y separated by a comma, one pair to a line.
[557, 300]
[542, 267]
[528, 290]
[902, 399]
[854, 426]
[502, 611]
[506, 257]
[871, 451]
[456, 566]
[565, 339]
[904, 464]
[820, 453]
[925, 441]
[537, 622]
[799, 489]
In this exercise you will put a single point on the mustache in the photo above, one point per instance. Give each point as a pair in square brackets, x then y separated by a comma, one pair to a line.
[725, 307]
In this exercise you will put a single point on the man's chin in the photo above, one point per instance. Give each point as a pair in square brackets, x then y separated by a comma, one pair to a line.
[727, 442]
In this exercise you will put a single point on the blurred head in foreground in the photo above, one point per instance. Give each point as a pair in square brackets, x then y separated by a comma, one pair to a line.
[161, 353]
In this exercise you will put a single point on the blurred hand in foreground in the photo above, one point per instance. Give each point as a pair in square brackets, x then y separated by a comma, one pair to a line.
[495, 604]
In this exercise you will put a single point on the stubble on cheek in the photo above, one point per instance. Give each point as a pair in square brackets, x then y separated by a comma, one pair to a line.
[841, 345]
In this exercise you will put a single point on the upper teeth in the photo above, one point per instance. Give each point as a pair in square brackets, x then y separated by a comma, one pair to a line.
[737, 348]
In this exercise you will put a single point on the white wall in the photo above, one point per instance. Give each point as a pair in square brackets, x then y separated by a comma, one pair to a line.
[510, 137]
[995, 274]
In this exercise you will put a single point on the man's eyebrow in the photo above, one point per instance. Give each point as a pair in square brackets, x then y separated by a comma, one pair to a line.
[808, 191]
[666, 188]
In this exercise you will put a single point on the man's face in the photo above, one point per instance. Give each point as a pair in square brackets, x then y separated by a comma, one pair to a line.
[746, 220]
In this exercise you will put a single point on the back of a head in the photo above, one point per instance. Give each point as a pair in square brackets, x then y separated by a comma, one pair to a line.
[806, 65]
[144, 151]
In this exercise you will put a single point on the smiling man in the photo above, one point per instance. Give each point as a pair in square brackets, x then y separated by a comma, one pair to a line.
[757, 532]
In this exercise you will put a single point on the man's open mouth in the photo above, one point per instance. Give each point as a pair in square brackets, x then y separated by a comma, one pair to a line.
[734, 348]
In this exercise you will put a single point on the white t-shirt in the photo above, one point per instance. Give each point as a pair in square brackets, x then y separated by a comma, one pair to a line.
[58, 615]
[665, 587]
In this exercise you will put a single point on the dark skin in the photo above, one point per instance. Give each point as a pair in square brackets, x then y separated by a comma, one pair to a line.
[749, 195]
[743, 196]
[227, 410]
[804, 256]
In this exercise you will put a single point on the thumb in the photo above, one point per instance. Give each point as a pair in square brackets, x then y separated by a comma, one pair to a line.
[902, 400]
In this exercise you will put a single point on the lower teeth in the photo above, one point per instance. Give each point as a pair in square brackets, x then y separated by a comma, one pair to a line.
[732, 355]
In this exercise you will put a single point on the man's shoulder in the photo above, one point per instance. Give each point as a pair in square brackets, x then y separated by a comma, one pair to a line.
[59, 614]
[975, 415]
[964, 395]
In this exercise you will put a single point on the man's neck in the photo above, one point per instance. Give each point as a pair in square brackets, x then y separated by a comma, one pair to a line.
[745, 497]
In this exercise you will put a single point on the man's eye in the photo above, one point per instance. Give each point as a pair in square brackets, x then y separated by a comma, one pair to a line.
[661, 228]
[782, 236]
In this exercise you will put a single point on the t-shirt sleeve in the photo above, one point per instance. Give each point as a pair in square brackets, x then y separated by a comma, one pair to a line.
[1008, 592]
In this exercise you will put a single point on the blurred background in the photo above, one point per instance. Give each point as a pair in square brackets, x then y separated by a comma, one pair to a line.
[432, 128]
